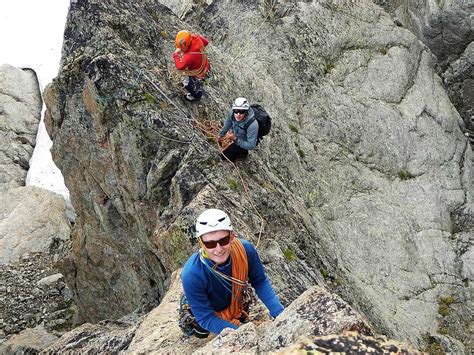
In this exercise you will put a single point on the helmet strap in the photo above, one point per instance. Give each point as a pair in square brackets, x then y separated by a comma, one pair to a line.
[203, 251]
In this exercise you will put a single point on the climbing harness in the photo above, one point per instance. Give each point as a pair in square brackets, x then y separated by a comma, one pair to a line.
[200, 72]
[187, 321]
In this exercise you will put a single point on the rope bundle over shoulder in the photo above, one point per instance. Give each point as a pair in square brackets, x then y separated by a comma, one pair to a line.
[240, 268]
[200, 72]
[238, 280]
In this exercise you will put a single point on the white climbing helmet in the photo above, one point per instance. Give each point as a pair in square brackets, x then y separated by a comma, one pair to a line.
[212, 220]
[240, 103]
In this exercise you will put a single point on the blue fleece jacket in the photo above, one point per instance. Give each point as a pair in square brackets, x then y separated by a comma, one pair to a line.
[206, 293]
[246, 138]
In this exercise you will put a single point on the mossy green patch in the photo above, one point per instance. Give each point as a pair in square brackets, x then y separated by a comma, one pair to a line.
[434, 348]
[155, 16]
[300, 153]
[324, 272]
[177, 246]
[405, 175]
[267, 186]
[329, 67]
[293, 128]
[447, 300]
[444, 303]
[312, 195]
[232, 183]
[443, 309]
[289, 254]
[149, 98]
[443, 331]
[164, 105]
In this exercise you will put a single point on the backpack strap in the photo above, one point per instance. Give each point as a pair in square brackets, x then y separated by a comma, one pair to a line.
[247, 125]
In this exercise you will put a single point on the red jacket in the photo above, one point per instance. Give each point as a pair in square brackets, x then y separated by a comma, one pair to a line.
[194, 62]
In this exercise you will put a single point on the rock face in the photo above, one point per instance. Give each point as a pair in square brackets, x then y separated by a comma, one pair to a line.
[307, 323]
[29, 341]
[34, 235]
[365, 182]
[31, 220]
[447, 28]
[104, 337]
[20, 109]
[459, 80]
[34, 230]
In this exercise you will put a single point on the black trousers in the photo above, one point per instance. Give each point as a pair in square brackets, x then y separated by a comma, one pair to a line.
[195, 87]
[234, 152]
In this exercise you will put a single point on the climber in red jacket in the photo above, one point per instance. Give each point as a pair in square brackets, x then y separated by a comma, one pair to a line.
[191, 58]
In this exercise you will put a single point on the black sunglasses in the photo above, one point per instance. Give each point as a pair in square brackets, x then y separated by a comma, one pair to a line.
[211, 244]
[240, 111]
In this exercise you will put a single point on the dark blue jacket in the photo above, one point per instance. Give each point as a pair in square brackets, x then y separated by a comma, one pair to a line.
[206, 293]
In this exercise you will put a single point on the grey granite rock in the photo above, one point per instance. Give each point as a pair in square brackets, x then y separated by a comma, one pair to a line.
[31, 220]
[20, 113]
[447, 28]
[34, 230]
[459, 79]
[365, 181]
[28, 341]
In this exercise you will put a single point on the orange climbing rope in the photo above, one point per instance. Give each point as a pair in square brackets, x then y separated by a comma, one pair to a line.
[210, 129]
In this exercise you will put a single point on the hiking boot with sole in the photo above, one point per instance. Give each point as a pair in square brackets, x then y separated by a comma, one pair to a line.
[185, 82]
[190, 97]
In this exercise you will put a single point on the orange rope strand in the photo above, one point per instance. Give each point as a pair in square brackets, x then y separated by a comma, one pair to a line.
[211, 129]
[240, 268]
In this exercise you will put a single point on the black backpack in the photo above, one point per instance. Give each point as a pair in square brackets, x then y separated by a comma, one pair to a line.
[264, 121]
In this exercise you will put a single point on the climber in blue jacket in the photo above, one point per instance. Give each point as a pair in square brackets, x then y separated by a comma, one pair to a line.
[241, 128]
[216, 278]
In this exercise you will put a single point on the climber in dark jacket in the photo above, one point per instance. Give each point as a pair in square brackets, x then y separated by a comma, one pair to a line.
[235, 129]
